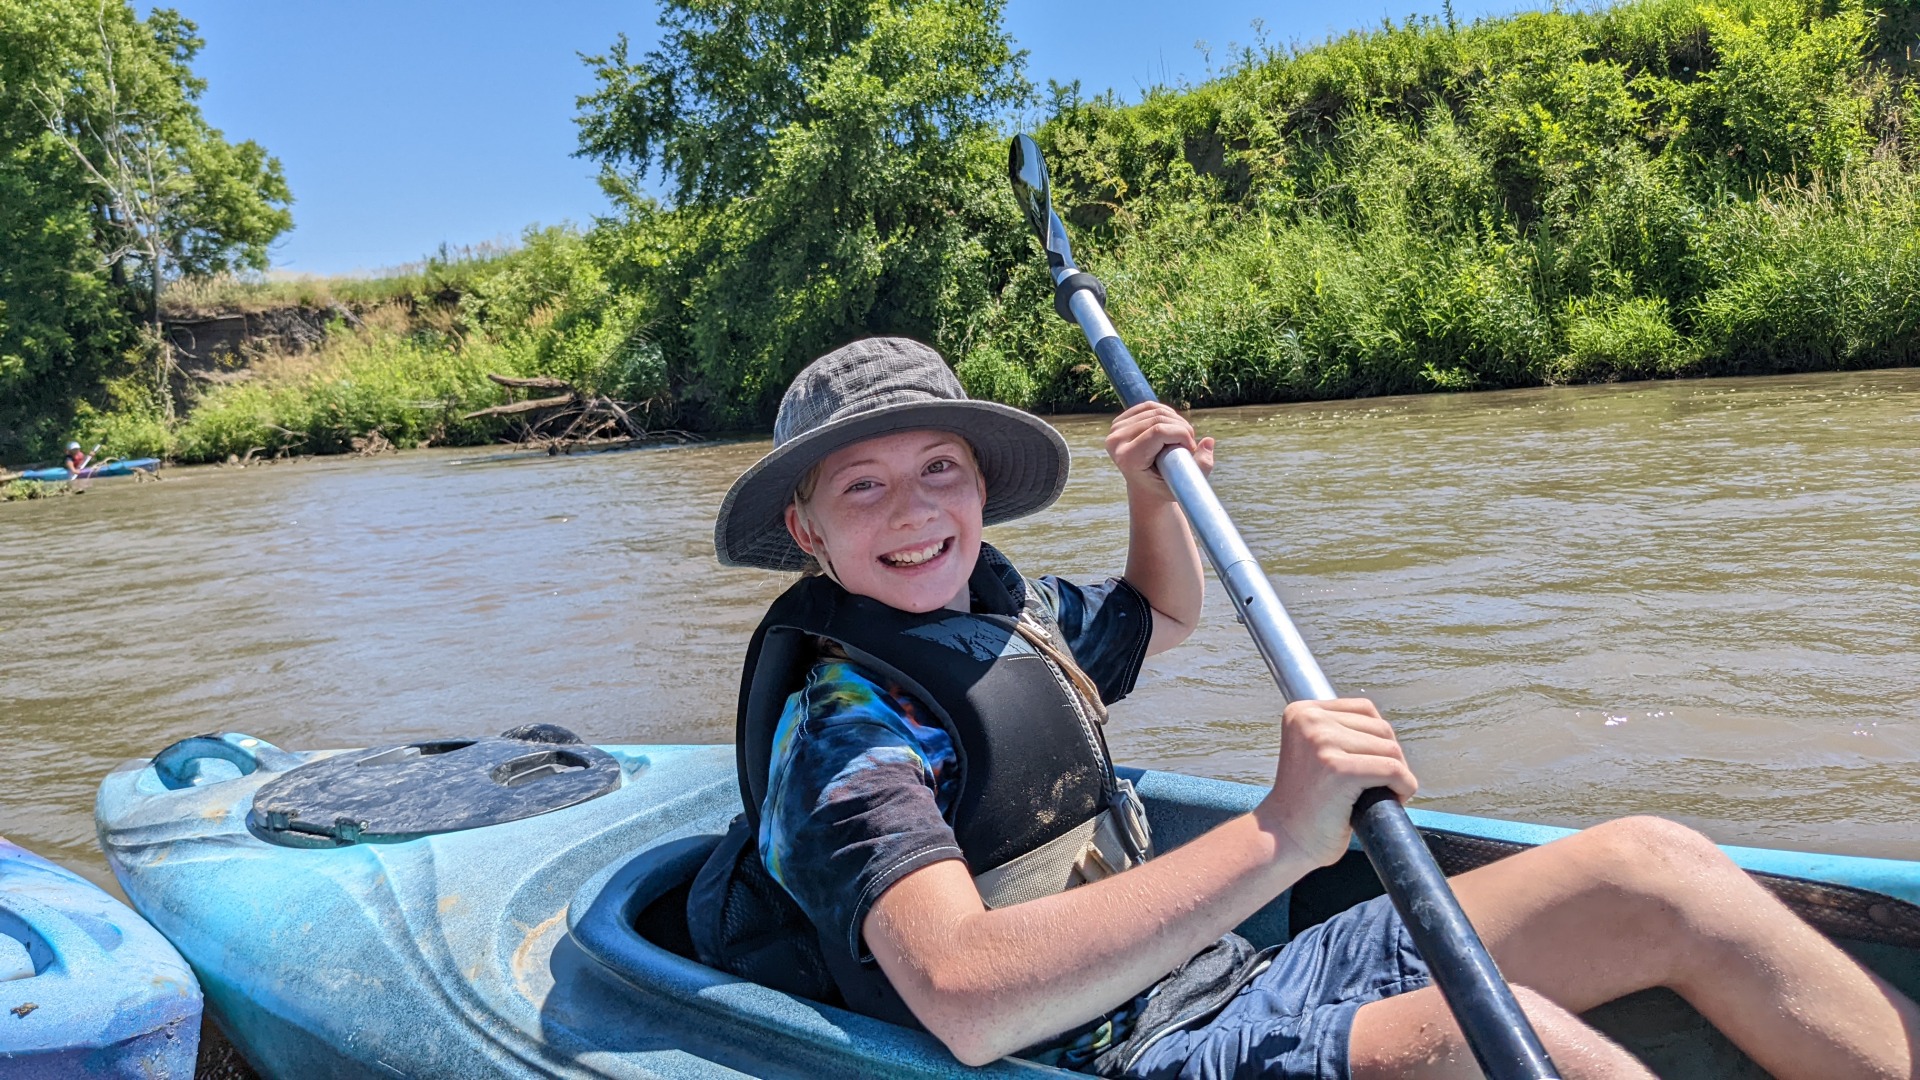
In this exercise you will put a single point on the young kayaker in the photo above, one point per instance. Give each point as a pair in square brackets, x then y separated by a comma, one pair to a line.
[920, 737]
[76, 458]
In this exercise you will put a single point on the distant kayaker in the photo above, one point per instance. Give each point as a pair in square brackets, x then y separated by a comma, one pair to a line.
[921, 738]
[76, 458]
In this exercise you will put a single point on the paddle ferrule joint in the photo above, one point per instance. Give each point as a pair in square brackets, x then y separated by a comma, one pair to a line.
[1076, 281]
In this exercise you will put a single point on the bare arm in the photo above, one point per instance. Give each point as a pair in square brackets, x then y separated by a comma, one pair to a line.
[1162, 560]
[989, 982]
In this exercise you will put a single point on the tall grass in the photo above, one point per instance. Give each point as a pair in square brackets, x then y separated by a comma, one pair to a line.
[1260, 306]
[1652, 189]
[450, 271]
[415, 360]
[1817, 276]
[412, 391]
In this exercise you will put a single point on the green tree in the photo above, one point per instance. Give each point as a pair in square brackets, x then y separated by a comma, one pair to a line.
[836, 170]
[112, 183]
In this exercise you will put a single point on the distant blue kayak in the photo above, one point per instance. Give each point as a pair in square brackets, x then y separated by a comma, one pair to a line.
[339, 931]
[87, 988]
[112, 468]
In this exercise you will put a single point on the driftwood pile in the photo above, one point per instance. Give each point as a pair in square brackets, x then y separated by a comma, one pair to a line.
[567, 419]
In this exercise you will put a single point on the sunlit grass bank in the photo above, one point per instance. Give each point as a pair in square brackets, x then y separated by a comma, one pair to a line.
[411, 391]
[1227, 308]
[1656, 189]
[407, 356]
[1652, 189]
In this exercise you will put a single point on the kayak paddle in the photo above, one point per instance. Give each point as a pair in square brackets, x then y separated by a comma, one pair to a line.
[1502, 1040]
[74, 482]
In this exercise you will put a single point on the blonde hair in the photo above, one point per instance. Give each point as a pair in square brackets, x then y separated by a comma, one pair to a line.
[803, 487]
[803, 494]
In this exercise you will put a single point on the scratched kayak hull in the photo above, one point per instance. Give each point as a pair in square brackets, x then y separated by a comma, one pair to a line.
[554, 945]
[87, 988]
[113, 468]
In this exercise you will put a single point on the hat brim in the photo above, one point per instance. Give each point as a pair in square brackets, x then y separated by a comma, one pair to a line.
[1022, 458]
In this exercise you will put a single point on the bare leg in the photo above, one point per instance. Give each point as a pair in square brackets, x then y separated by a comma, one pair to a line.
[1414, 1036]
[1644, 902]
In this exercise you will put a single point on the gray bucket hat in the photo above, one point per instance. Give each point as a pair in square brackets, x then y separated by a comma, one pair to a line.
[878, 386]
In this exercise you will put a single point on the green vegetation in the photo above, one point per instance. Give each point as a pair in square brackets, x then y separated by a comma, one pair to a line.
[419, 359]
[1658, 188]
[1653, 189]
[446, 274]
[21, 490]
[111, 183]
[837, 170]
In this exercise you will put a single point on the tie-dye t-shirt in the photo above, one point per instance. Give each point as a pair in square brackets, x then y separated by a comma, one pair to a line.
[863, 776]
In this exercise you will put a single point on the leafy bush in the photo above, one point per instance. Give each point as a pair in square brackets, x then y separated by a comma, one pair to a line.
[111, 181]
[1652, 189]
[837, 172]
[1616, 338]
[132, 425]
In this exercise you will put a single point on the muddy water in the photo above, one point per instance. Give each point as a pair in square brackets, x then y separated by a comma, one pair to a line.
[1698, 599]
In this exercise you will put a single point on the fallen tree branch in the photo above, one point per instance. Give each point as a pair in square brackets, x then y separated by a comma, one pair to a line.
[539, 382]
[568, 421]
[516, 407]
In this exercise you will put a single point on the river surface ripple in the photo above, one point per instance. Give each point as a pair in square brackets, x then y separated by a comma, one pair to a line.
[1697, 599]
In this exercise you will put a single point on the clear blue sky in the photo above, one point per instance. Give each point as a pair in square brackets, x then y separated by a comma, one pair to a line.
[406, 124]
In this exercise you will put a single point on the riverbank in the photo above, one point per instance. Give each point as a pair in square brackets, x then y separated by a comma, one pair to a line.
[331, 366]
[1655, 189]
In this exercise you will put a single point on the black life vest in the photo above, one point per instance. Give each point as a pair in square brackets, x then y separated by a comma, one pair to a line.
[1037, 798]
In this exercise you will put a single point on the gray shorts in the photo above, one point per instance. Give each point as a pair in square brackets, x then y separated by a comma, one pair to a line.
[1294, 1018]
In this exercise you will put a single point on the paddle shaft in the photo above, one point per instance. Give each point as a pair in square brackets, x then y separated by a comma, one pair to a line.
[1502, 1040]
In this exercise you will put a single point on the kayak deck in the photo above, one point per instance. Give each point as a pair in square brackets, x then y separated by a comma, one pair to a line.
[86, 987]
[555, 945]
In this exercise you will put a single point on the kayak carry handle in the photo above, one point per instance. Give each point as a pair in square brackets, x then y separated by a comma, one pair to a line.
[54, 939]
[240, 750]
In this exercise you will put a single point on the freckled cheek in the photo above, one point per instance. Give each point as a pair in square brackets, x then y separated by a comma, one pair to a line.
[856, 532]
[960, 500]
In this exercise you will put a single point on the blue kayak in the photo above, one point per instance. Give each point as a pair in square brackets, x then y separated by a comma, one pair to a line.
[87, 988]
[112, 468]
[354, 936]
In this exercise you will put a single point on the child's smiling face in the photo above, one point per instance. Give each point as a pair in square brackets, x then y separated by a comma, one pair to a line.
[896, 518]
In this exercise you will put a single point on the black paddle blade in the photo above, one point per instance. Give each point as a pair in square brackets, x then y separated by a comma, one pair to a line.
[1031, 189]
[1028, 171]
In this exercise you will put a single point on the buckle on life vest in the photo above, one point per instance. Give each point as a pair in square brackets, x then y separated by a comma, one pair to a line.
[1111, 841]
[1135, 833]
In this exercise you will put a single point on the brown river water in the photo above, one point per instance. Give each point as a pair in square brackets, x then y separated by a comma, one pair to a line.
[1697, 599]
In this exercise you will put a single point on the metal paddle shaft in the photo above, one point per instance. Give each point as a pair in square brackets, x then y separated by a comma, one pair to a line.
[1497, 1031]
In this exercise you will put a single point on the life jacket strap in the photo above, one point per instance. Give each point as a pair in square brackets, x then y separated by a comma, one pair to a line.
[1043, 638]
[1113, 840]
